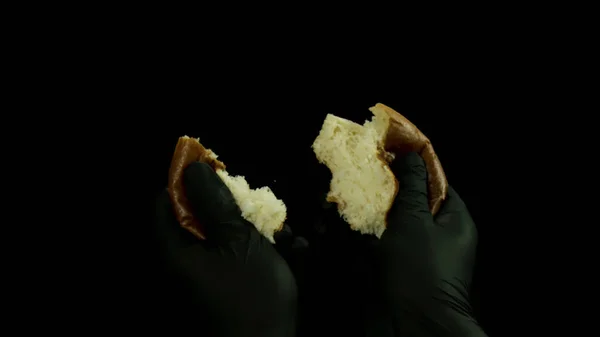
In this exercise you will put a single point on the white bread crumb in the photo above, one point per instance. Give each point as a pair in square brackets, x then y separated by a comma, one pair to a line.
[259, 206]
[362, 183]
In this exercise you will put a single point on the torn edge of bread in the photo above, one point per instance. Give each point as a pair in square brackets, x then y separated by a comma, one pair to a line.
[259, 206]
[362, 185]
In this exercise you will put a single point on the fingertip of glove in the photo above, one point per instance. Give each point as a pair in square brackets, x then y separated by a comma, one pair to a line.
[284, 234]
[202, 183]
[300, 242]
[197, 171]
[452, 202]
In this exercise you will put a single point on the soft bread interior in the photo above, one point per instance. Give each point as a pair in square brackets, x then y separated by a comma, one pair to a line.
[362, 184]
[259, 206]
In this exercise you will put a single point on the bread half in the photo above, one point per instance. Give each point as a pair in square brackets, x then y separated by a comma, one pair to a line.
[259, 206]
[358, 156]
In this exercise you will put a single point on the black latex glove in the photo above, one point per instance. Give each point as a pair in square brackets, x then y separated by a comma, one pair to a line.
[233, 284]
[426, 262]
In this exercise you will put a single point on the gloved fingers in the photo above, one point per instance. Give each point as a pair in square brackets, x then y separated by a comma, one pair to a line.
[293, 249]
[452, 204]
[411, 203]
[167, 232]
[454, 214]
[209, 197]
[284, 236]
[287, 244]
[300, 243]
[214, 206]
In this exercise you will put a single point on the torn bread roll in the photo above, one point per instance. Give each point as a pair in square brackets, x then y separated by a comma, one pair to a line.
[363, 186]
[259, 206]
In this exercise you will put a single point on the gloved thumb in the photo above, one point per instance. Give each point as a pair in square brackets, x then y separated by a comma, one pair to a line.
[411, 200]
[213, 204]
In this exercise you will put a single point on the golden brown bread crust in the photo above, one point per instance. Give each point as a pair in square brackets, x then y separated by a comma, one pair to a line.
[385, 157]
[403, 137]
[187, 151]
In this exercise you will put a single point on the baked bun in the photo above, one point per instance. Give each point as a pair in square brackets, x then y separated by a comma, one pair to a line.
[259, 206]
[358, 156]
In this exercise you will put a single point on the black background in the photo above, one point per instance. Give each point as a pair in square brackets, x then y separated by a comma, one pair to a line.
[262, 124]
[258, 99]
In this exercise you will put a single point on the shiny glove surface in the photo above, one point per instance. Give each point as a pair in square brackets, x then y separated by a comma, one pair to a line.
[233, 284]
[425, 262]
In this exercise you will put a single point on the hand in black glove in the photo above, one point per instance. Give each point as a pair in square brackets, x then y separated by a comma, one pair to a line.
[426, 262]
[234, 283]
